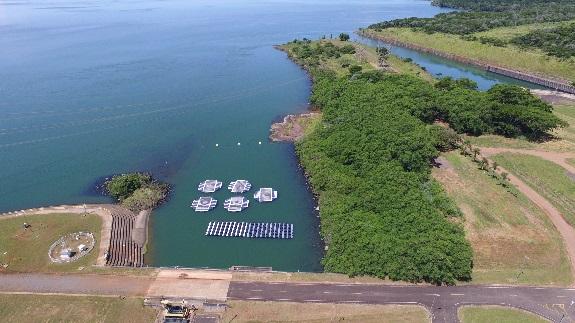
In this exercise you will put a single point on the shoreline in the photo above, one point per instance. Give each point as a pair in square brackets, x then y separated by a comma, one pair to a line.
[556, 84]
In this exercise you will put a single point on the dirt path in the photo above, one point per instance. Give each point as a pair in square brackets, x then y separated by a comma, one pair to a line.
[102, 210]
[555, 157]
[567, 232]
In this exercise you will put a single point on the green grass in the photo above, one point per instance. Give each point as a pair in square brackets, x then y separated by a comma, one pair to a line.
[547, 178]
[244, 311]
[503, 229]
[490, 314]
[532, 61]
[26, 250]
[43, 308]
[507, 33]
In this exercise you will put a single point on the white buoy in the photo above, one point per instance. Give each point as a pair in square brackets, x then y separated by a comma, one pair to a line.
[239, 144]
[259, 142]
[217, 145]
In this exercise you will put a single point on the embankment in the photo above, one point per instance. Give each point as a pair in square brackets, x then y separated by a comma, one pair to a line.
[557, 84]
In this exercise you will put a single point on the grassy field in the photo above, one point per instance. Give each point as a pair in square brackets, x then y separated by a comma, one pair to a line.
[27, 249]
[510, 236]
[547, 178]
[242, 311]
[43, 308]
[532, 61]
[489, 314]
[507, 33]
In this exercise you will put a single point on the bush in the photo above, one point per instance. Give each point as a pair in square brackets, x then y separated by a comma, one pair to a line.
[122, 186]
[355, 69]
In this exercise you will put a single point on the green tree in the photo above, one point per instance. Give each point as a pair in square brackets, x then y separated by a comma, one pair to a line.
[343, 37]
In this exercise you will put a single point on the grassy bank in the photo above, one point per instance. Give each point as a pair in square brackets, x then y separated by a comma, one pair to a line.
[243, 311]
[510, 236]
[42, 308]
[548, 179]
[489, 314]
[530, 61]
[27, 249]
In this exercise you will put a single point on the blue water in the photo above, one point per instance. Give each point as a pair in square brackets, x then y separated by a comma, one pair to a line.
[93, 88]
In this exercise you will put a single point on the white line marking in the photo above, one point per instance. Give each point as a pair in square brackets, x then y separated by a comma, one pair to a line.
[561, 296]
[357, 293]
[312, 300]
[432, 294]
[570, 289]
[283, 299]
[254, 298]
[283, 291]
[497, 287]
[351, 302]
[257, 290]
[404, 303]
[513, 295]
[456, 294]
[344, 285]
[327, 292]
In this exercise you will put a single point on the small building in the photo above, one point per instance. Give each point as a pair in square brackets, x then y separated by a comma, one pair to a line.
[266, 195]
[209, 186]
[236, 204]
[239, 186]
[204, 204]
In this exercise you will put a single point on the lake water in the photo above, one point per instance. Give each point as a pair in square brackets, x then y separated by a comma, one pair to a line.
[93, 88]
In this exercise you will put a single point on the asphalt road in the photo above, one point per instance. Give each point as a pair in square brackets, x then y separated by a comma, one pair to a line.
[554, 304]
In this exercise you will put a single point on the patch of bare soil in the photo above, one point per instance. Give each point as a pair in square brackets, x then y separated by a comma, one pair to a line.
[554, 97]
[292, 128]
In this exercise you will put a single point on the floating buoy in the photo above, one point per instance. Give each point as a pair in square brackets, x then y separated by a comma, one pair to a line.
[239, 144]
[217, 145]
[259, 142]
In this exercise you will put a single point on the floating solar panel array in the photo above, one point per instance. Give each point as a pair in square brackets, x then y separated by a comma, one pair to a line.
[204, 204]
[236, 204]
[209, 186]
[239, 186]
[266, 195]
[250, 230]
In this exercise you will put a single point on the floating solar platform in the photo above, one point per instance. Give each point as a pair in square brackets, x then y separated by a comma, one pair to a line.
[250, 230]
[239, 186]
[209, 186]
[236, 204]
[204, 204]
[266, 195]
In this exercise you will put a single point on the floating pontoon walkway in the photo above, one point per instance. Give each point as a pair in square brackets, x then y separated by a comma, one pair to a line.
[250, 230]
[209, 186]
[239, 186]
[236, 204]
[266, 195]
[204, 204]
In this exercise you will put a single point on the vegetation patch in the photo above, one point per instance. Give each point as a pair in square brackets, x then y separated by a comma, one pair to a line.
[43, 308]
[25, 249]
[547, 178]
[243, 311]
[137, 191]
[370, 161]
[488, 314]
[510, 236]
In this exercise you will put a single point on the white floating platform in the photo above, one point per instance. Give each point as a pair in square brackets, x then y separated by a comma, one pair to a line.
[204, 204]
[236, 204]
[266, 195]
[209, 186]
[239, 186]
[250, 230]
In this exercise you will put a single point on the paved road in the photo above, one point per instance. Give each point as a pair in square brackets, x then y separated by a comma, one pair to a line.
[555, 304]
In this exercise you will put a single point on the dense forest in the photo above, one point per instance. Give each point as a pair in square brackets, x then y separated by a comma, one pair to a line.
[370, 160]
[485, 15]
